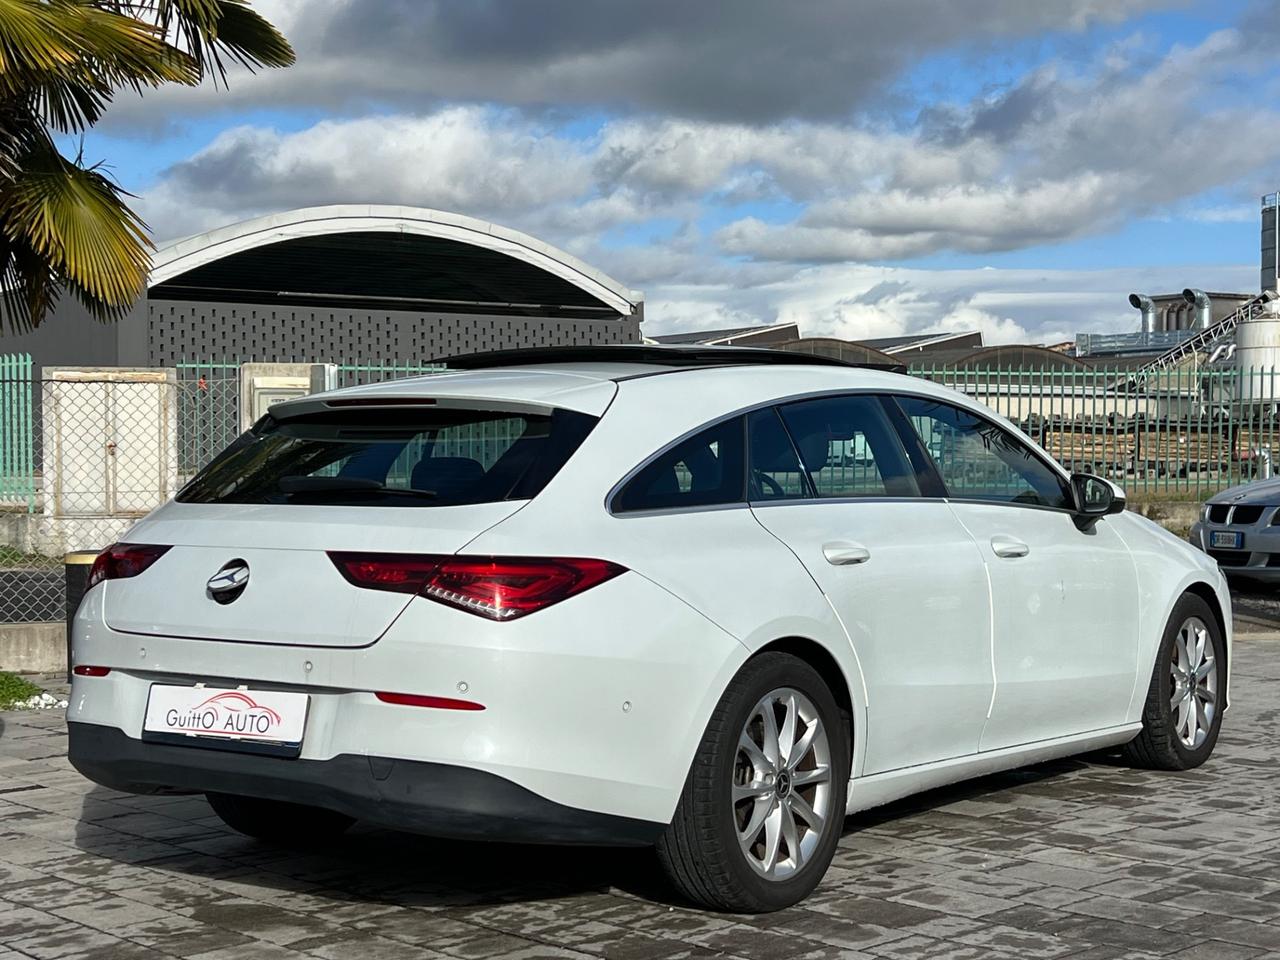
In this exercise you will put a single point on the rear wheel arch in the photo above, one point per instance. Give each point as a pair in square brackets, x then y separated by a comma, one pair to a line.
[828, 668]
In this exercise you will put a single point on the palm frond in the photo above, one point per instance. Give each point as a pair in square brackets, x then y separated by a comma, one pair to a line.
[109, 50]
[120, 50]
[69, 107]
[28, 287]
[65, 227]
[209, 30]
[250, 38]
[33, 38]
[77, 220]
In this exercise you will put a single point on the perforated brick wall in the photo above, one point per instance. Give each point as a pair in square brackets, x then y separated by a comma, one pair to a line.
[179, 330]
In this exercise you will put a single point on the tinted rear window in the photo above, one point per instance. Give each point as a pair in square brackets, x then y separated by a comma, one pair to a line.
[393, 457]
[703, 470]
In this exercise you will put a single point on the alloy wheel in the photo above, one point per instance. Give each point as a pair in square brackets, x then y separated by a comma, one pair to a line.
[1193, 671]
[782, 788]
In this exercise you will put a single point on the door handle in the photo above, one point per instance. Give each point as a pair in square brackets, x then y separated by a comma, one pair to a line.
[1008, 547]
[842, 553]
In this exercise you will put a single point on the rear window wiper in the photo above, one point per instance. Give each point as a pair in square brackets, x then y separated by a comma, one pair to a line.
[360, 485]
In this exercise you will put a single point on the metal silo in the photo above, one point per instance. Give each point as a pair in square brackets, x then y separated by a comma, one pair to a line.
[1258, 353]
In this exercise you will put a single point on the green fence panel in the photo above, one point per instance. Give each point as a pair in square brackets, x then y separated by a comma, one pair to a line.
[1183, 433]
[17, 431]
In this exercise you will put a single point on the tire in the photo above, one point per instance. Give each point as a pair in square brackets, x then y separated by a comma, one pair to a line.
[1164, 743]
[701, 851]
[274, 821]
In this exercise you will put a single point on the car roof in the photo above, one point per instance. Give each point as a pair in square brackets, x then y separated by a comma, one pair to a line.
[587, 379]
[669, 356]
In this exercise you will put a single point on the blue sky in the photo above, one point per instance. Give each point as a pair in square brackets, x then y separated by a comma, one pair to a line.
[862, 168]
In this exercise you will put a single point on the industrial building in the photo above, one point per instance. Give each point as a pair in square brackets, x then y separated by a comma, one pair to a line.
[765, 335]
[347, 283]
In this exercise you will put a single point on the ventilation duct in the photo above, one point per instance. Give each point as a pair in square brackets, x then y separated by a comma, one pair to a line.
[1144, 303]
[1204, 307]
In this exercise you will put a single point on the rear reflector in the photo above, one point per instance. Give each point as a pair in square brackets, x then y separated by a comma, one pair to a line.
[438, 703]
[87, 671]
[497, 588]
[122, 560]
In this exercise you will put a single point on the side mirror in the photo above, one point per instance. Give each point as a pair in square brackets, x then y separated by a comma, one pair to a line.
[1095, 498]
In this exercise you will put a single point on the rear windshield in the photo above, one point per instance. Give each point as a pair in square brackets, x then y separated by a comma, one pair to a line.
[392, 458]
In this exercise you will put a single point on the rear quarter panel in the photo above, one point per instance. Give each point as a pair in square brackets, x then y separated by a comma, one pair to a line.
[720, 562]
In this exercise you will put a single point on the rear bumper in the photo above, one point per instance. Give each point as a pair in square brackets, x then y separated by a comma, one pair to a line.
[596, 704]
[436, 799]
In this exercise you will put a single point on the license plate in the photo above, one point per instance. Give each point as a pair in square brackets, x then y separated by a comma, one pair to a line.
[1226, 539]
[260, 721]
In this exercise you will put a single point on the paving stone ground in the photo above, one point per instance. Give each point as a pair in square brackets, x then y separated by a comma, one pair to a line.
[1081, 858]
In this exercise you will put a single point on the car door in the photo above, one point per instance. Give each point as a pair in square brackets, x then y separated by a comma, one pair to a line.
[831, 479]
[1064, 600]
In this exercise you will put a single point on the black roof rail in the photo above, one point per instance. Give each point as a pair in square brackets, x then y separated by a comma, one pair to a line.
[665, 356]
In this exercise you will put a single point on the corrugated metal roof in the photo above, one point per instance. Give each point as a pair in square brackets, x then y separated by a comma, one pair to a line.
[729, 333]
[925, 341]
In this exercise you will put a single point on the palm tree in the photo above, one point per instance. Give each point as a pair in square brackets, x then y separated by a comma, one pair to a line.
[65, 226]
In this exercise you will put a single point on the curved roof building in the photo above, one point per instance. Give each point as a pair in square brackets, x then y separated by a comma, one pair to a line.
[349, 283]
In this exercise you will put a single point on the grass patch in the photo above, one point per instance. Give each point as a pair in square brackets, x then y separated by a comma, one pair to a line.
[14, 689]
[12, 557]
[1173, 496]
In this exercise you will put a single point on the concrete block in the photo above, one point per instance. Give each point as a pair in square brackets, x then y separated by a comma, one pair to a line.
[33, 647]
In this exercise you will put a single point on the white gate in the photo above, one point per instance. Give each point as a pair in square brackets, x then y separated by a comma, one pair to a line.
[110, 440]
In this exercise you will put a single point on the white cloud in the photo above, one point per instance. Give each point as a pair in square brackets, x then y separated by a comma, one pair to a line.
[1060, 155]
[805, 198]
[855, 302]
[756, 61]
[458, 159]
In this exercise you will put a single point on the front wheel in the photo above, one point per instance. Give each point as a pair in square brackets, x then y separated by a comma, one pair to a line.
[763, 806]
[1183, 711]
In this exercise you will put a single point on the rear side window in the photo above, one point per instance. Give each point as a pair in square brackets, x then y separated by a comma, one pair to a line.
[704, 470]
[849, 448]
[393, 457]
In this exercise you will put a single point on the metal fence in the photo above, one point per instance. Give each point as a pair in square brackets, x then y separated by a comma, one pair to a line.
[17, 449]
[82, 455]
[87, 452]
[208, 398]
[357, 374]
[1180, 433]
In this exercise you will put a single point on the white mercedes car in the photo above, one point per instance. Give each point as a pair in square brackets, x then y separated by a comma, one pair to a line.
[709, 599]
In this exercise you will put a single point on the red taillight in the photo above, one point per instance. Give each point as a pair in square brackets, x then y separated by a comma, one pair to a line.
[87, 671]
[121, 560]
[438, 703]
[499, 588]
[503, 588]
[397, 572]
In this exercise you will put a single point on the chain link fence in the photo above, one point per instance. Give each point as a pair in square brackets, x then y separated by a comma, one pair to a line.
[97, 449]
